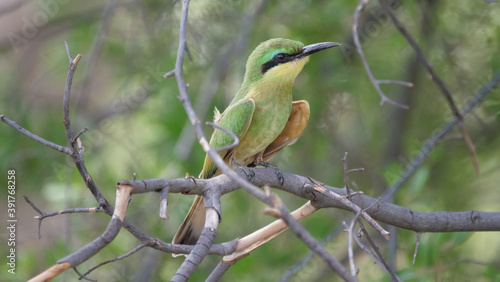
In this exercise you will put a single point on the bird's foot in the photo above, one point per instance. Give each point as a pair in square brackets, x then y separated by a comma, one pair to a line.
[278, 172]
[250, 175]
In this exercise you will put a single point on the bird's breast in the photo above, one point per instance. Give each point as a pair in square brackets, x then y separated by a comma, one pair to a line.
[272, 110]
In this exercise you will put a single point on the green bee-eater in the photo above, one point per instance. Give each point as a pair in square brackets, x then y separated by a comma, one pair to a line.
[262, 115]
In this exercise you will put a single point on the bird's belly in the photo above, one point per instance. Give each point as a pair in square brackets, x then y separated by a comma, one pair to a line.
[267, 124]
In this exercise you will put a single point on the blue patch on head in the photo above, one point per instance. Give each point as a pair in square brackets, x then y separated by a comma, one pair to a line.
[274, 54]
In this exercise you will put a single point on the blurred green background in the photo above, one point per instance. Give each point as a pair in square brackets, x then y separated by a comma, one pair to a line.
[136, 124]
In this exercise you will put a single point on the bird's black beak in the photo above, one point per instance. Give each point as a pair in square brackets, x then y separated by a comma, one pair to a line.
[313, 48]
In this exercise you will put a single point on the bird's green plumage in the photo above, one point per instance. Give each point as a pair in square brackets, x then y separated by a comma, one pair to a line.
[262, 54]
[259, 111]
[258, 115]
[236, 119]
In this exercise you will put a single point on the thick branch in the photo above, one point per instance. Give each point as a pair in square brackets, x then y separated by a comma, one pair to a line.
[92, 248]
[385, 212]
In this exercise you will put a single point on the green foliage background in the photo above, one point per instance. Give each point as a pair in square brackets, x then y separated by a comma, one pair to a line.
[136, 122]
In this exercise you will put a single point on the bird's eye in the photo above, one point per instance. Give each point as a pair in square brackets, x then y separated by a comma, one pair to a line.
[280, 56]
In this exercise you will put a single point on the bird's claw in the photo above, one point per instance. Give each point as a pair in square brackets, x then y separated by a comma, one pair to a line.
[278, 172]
[250, 174]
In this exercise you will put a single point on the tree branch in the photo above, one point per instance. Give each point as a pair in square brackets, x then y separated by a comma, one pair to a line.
[37, 138]
[133, 251]
[236, 140]
[439, 83]
[254, 240]
[392, 214]
[44, 215]
[92, 248]
[376, 83]
[74, 144]
[432, 141]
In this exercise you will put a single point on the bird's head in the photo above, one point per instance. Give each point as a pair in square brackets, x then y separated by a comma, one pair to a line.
[281, 59]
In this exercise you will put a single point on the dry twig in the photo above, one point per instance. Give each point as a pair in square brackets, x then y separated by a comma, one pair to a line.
[376, 82]
[439, 82]
[92, 248]
[44, 215]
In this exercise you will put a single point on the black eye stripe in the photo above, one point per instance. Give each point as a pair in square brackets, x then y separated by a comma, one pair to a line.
[267, 66]
[279, 58]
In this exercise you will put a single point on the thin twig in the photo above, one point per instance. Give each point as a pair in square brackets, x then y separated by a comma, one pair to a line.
[67, 89]
[37, 138]
[350, 253]
[80, 134]
[374, 257]
[432, 141]
[397, 82]
[416, 247]
[169, 74]
[43, 215]
[376, 83]
[355, 208]
[439, 82]
[358, 213]
[471, 147]
[306, 237]
[92, 248]
[80, 276]
[66, 211]
[377, 251]
[236, 140]
[422, 59]
[346, 174]
[133, 251]
[78, 153]
[296, 267]
[381, 258]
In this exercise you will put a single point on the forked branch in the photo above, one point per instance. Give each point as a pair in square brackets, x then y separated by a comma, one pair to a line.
[376, 82]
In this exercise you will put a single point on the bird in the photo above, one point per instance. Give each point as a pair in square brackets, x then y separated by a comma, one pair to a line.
[262, 114]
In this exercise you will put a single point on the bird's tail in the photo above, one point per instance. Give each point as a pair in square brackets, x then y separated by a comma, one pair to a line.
[190, 229]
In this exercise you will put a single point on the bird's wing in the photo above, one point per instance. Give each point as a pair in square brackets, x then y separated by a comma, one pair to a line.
[237, 119]
[297, 122]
